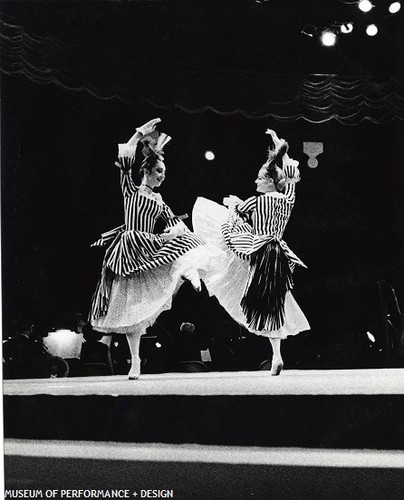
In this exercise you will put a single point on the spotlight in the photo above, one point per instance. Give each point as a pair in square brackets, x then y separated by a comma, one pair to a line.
[346, 28]
[209, 155]
[158, 345]
[64, 343]
[309, 30]
[394, 7]
[372, 30]
[328, 38]
[371, 337]
[365, 5]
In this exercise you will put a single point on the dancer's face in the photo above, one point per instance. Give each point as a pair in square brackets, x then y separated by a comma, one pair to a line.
[157, 175]
[264, 182]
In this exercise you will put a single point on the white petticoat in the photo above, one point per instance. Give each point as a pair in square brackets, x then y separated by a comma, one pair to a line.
[138, 300]
[227, 280]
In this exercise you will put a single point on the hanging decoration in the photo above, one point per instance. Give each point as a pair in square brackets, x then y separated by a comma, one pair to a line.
[286, 98]
[312, 150]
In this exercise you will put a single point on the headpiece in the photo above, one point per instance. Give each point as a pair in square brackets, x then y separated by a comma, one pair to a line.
[154, 143]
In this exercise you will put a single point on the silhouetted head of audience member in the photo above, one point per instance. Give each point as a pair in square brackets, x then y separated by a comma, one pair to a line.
[91, 335]
[187, 329]
[25, 328]
[26, 356]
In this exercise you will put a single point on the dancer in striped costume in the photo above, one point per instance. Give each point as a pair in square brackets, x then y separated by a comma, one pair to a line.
[143, 270]
[255, 285]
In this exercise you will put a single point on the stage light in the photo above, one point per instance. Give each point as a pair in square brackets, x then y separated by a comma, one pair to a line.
[394, 7]
[346, 28]
[372, 30]
[158, 345]
[209, 155]
[328, 38]
[116, 344]
[365, 5]
[64, 343]
[371, 337]
[309, 30]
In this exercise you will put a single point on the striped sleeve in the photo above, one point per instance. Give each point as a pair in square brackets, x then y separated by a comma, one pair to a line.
[290, 192]
[293, 176]
[125, 161]
[247, 205]
[168, 216]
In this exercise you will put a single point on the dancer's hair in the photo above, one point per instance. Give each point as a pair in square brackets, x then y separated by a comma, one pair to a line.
[274, 166]
[153, 150]
[149, 163]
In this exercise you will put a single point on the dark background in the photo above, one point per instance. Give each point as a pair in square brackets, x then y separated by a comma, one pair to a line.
[60, 188]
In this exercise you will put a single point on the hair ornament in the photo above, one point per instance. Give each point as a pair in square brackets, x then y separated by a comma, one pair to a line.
[153, 144]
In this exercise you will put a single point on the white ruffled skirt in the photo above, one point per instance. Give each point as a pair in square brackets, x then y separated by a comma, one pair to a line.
[227, 280]
[137, 301]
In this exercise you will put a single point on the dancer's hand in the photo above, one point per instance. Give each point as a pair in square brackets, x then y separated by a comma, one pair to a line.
[174, 232]
[277, 141]
[145, 129]
[272, 133]
[231, 201]
[148, 127]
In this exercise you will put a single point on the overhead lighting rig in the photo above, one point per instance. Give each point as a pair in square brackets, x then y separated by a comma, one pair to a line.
[328, 35]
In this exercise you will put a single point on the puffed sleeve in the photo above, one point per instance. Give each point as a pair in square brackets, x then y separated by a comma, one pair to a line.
[125, 161]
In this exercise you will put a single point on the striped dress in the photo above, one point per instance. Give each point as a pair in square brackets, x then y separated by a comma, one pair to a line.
[255, 285]
[141, 271]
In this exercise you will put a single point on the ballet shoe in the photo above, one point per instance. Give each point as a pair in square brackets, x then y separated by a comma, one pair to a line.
[192, 276]
[134, 372]
[277, 366]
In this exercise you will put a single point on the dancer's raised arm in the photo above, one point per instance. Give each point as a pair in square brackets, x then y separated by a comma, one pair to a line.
[127, 155]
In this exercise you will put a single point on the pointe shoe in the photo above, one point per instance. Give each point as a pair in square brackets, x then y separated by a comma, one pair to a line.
[192, 276]
[134, 372]
[277, 366]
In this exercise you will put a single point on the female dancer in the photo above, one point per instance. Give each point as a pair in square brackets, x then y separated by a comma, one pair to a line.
[255, 284]
[143, 270]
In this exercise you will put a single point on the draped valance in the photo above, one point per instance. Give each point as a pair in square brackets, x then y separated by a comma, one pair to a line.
[284, 97]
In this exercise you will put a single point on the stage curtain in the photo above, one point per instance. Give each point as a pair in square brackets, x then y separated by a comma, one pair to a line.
[287, 98]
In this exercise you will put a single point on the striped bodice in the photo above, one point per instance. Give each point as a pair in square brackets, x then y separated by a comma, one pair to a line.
[270, 213]
[141, 212]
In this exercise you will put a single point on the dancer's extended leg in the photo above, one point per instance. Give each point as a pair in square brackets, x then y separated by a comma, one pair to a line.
[277, 361]
[134, 344]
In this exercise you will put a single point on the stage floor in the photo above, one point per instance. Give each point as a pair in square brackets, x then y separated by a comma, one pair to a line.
[290, 382]
[161, 452]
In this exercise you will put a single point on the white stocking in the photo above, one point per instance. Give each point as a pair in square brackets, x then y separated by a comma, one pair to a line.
[134, 344]
[277, 361]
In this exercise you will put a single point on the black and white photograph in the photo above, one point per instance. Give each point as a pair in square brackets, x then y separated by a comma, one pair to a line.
[202, 240]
